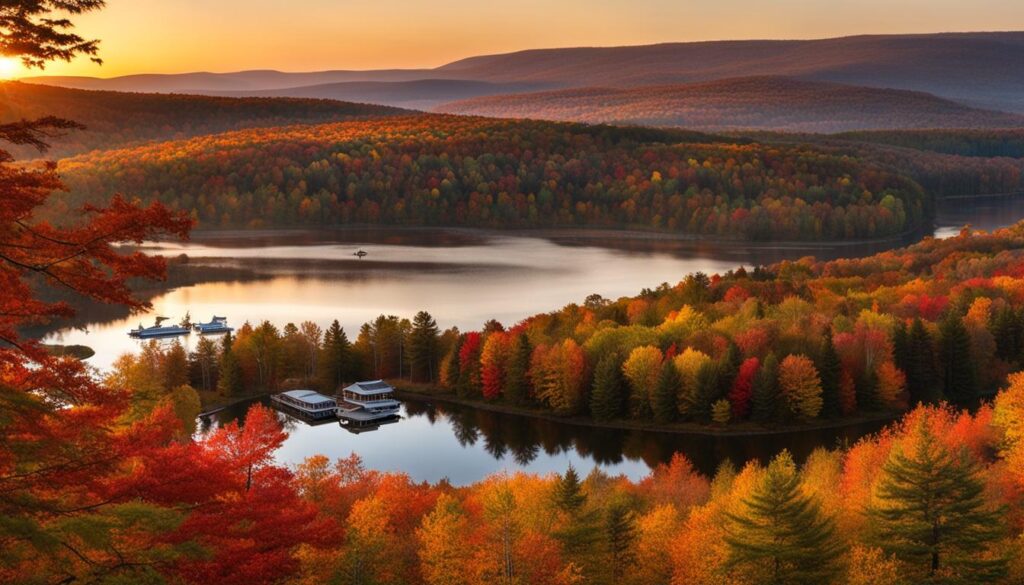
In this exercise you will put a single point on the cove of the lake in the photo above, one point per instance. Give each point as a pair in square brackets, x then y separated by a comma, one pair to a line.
[463, 278]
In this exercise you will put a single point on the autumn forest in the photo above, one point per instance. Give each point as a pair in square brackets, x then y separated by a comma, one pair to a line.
[124, 467]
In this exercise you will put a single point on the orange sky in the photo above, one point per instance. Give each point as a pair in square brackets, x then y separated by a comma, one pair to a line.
[167, 36]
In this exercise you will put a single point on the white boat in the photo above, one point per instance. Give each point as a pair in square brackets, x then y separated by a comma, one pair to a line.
[216, 325]
[158, 330]
[367, 403]
[309, 403]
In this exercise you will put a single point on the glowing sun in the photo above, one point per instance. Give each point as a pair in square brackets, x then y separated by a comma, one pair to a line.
[9, 67]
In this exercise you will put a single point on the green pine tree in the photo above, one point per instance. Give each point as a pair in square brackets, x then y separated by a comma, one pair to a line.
[619, 536]
[580, 532]
[959, 376]
[335, 358]
[868, 397]
[607, 400]
[901, 345]
[666, 394]
[229, 381]
[766, 401]
[781, 537]
[931, 514]
[709, 385]
[830, 369]
[424, 348]
[923, 384]
[1005, 328]
[517, 381]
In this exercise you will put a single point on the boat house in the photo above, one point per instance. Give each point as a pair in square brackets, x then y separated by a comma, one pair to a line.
[367, 403]
[307, 402]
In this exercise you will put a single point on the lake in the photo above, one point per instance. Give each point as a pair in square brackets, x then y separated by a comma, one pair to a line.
[434, 441]
[463, 278]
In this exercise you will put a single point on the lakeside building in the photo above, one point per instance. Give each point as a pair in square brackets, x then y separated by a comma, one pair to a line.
[308, 403]
[367, 403]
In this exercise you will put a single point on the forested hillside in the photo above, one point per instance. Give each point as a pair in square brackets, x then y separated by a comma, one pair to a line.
[766, 103]
[114, 119]
[986, 143]
[447, 170]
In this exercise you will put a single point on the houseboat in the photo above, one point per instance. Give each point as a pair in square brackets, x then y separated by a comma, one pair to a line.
[308, 403]
[158, 330]
[367, 404]
[216, 325]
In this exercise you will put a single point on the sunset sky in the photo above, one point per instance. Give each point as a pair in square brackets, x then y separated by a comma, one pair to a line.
[167, 36]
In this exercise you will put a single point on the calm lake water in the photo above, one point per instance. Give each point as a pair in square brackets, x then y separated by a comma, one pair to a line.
[463, 278]
[433, 441]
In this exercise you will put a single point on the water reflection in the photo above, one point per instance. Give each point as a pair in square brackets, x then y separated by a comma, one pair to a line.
[435, 440]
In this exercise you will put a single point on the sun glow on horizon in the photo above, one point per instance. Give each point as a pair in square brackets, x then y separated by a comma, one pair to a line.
[9, 67]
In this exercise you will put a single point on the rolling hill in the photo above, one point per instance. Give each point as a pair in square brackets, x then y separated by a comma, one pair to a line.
[423, 94]
[762, 103]
[981, 69]
[116, 119]
[480, 172]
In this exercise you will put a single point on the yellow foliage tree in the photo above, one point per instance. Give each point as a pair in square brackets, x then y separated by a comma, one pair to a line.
[801, 385]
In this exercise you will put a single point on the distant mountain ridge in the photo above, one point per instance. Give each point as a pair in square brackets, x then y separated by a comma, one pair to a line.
[759, 103]
[422, 94]
[114, 119]
[985, 69]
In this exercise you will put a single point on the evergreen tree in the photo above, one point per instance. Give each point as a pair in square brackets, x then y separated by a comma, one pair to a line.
[620, 536]
[730, 368]
[607, 401]
[1005, 328]
[868, 397]
[900, 345]
[174, 367]
[830, 369]
[666, 393]
[766, 403]
[931, 513]
[202, 364]
[580, 530]
[709, 384]
[335, 360]
[517, 380]
[959, 377]
[923, 384]
[780, 536]
[229, 383]
[424, 348]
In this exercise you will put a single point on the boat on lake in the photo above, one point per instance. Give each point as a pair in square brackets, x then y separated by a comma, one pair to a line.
[159, 330]
[367, 404]
[360, 253]
[216, 325]
[308, 403]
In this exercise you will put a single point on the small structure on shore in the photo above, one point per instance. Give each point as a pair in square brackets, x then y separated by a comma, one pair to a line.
[367, 404]
[309, 403]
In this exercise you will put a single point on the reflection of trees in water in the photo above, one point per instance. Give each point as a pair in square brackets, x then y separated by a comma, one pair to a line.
[464, 427]
[524, 437]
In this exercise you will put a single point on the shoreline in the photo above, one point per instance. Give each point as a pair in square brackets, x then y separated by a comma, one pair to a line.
[745, 429]
[682, 428]
[562, 233]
